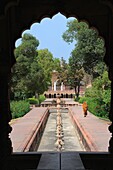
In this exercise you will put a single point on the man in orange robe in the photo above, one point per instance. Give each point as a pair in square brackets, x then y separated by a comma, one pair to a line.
[85, 108]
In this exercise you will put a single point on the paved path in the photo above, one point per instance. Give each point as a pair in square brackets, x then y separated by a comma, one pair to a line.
[94, 128]
[25, 127]
[71, 141]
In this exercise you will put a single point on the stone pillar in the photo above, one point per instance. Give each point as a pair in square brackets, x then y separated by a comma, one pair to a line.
[55, 86]
[54, 78]
[62, 86]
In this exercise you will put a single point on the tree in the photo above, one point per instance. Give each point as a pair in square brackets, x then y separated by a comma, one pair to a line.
[36, 80]
[63, 71]
[75, 72]
[89, 46]
[28, 78]
[27, 48]
[48, 63]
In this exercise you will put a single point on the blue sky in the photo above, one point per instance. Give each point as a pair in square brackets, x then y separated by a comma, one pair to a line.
[49, 33]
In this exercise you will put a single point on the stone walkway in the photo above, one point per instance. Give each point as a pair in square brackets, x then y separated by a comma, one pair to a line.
[94, 129]
[25, 127]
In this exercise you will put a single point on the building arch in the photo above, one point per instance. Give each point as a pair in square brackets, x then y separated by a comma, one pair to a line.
[32, 16]
[49, 95]
[80, 19]
[71, 95]
[55, 95]
[61, 95]
[67, 95]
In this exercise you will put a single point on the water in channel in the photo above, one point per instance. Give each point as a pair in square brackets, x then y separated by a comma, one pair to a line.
[70, 137]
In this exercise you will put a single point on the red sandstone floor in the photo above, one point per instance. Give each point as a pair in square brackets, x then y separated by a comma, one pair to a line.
[95, 129]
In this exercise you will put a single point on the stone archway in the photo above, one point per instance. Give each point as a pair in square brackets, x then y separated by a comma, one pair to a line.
[55, 84]
[18, 15]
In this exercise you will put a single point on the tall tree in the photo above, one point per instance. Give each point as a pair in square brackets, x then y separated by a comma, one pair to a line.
[89, 46]
[28, 76]
[63, 71]
[75, 72]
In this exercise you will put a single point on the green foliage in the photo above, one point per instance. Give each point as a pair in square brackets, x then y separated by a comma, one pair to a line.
[57, 64]
[77, 99]
[75, 72]
[41, 98]
[98, 96]
[89, 47]
[27, 49]
[28, 75]
[94, 106]
[106, 96]
[33, 101]
[48, 64]
[82, 99]
[87, 57]
[19, 108]
[63, 72]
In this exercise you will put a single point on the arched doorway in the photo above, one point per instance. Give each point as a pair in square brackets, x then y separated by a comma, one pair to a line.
[61, 95]
[71, 95]
[55, 88]
[54, 95]
[66, 95]
[49, 95]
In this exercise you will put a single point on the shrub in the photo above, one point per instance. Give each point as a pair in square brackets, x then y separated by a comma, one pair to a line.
[33, 101]
[95, 106]
[41, 98]
[19, 108]
[77, 99]
[82, 99]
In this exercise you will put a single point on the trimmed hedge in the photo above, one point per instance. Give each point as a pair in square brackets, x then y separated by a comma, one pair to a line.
[33, 101]
[41, 98]
[19, 108]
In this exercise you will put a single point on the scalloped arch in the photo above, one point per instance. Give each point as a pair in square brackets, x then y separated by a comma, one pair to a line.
[62, 13]
[66, 16]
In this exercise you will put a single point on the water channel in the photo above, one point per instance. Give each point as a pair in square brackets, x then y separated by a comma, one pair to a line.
[70, 137]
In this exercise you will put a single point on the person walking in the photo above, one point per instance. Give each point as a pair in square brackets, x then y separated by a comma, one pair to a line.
[85, 108]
